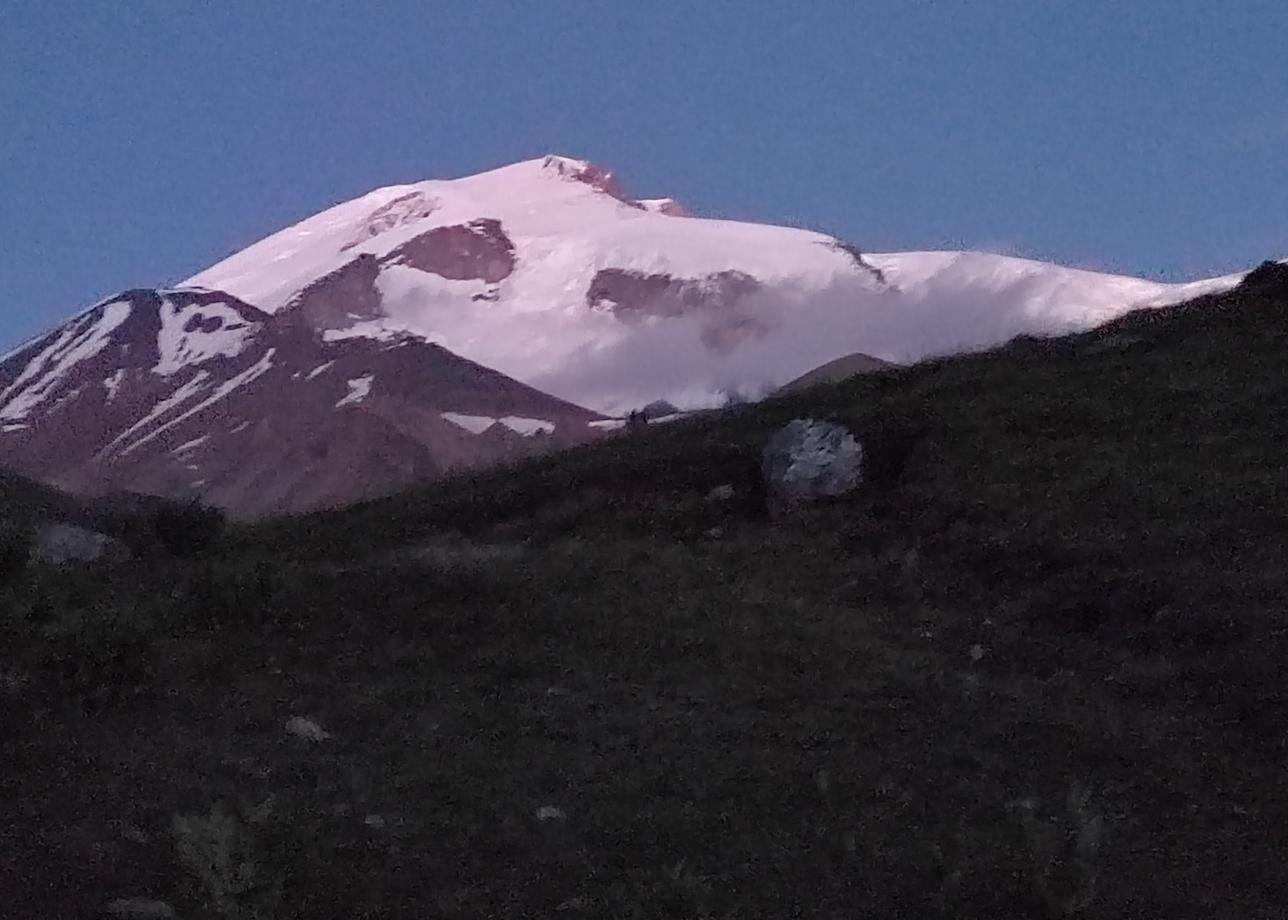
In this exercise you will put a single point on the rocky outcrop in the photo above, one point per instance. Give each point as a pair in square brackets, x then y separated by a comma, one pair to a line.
[479, 250]
[402, 210]
[474, 251]
[630, 295]
[336, 301]
[596, 177]
[807, 460]
[856, 255]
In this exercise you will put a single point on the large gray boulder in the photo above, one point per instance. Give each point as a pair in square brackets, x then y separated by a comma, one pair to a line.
[57, 543]
[807, 460]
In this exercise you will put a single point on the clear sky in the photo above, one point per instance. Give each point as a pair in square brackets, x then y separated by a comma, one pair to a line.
[142, 141]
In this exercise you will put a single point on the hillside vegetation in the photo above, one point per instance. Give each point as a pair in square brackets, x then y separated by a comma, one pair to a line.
[1033, 668]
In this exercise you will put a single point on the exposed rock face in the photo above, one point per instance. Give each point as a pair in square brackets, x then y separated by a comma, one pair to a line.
[402, 210]
[857, 255]
[807, 460]
[629, 294]
[596, 177]
[189, 394]
[477, 250]
[342, 298]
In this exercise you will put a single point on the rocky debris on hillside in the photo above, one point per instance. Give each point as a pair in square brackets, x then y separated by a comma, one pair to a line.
[807, 460]
[550, 813]
[454, 553]
[57, 543]
[307, 729]
[1114, 341]
[721, 493]
[140, 909]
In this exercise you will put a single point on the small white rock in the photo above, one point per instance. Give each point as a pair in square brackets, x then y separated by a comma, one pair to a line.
[976, 652]
[721, 493]
[307, 729]
[550, 813]
[375, 822]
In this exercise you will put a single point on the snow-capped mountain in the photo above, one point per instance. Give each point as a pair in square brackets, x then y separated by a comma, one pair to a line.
[454, 323]
[548, 272]
[187, 393]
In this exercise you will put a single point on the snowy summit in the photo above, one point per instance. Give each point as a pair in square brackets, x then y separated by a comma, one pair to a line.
[546, 271]
[457, 323]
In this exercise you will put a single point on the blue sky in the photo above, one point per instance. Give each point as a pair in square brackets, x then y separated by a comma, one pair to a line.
[142, 141]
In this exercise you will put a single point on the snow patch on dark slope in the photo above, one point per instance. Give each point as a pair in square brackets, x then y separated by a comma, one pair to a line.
[194, 392]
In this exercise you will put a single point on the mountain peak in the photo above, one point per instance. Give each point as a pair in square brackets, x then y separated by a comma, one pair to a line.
[455, 322]
[548, 272]
[183, 392]
[586, 172]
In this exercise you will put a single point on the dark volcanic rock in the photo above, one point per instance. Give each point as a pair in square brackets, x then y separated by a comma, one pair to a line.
[630, 294]
[857, 255]
[477, 250]
[340, 299]
[588, 173]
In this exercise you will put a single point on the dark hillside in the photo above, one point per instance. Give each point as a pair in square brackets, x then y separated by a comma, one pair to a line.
[23, 501]
[1032, 669]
